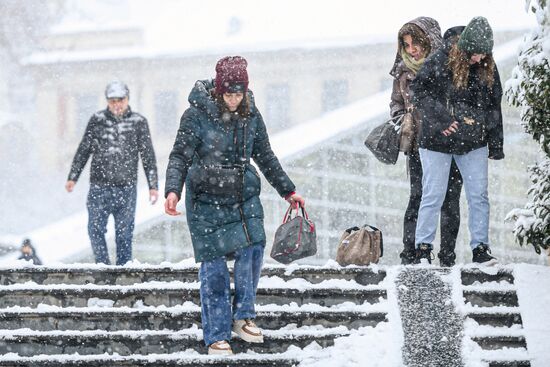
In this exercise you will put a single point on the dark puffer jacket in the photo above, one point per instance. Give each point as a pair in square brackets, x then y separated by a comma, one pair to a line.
[115, 145]
[440, 103]
[221, 224]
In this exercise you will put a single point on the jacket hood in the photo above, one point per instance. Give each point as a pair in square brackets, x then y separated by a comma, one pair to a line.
[451, 37]
[201, 98]
[431, 27]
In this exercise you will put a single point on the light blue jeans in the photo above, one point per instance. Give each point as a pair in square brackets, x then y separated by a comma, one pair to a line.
[216, 312]
[474, 169]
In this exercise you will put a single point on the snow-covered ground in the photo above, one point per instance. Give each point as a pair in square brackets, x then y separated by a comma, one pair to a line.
[534, 297]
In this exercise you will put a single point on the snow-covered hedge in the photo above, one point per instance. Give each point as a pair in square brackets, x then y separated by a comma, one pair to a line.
[529, 88]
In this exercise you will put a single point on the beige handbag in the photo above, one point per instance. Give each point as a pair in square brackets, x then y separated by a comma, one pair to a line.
[360, 246]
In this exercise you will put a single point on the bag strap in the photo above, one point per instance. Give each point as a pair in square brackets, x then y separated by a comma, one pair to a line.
[396, 120]
[381, 238]
[351, 229]
[288, 214]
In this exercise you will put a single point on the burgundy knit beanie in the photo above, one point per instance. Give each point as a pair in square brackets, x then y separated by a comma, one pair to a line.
[231, 75]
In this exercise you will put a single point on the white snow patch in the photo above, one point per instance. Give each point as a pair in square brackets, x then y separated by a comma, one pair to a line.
[532, 283]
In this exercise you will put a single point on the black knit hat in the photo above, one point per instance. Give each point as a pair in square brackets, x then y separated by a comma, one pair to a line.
[477, 37]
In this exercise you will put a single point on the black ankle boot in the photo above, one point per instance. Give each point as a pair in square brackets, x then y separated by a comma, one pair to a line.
[424, 251]
[446, 259]
[408, 256]
[481, 255]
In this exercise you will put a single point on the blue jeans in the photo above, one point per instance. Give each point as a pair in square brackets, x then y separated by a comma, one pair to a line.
[474, 169]
[121, 203]
[217, 313]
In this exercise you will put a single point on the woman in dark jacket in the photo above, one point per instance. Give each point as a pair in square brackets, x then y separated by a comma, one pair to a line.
[416, 40]
[218, 135]
[458, 94]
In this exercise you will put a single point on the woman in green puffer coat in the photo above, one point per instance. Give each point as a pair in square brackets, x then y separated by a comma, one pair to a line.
[218, 135]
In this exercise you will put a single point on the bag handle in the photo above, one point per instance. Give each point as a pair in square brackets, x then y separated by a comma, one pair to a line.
[396, 120]
[381, 238]
[288, 213]
[351, 229]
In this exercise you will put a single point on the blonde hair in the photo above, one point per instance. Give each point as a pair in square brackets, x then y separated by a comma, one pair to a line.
[459, 64]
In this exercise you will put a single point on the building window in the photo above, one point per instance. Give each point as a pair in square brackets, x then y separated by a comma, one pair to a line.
[277, 110]
[166, 112]
[335, 94]
[86, 106]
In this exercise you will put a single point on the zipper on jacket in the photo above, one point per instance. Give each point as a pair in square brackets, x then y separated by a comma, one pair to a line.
[244, 225]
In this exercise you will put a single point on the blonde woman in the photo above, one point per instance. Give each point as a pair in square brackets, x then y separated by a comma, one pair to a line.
[458, 94]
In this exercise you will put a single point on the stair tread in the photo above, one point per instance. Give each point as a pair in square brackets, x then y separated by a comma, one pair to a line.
[73, 311]
[478, 289]
[266, 269]
[181, 288]
[192, 307]
[180, 356]
[195, 332]
[495, 310]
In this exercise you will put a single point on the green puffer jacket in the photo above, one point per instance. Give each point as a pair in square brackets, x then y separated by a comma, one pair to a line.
[221, 224]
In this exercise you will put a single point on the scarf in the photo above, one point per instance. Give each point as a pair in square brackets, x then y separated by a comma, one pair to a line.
[411, 63]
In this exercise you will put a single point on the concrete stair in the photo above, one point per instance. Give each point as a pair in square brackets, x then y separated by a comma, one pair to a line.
[493, 318]
[150, 316]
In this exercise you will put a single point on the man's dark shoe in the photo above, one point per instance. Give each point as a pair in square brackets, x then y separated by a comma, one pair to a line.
[408, 257]
[446, 259]
[424, 251]
[481, 255]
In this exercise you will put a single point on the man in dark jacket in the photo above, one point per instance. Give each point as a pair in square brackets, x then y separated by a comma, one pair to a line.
[115, 138]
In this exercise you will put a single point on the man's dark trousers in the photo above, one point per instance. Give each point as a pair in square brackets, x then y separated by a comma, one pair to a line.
[121, 203]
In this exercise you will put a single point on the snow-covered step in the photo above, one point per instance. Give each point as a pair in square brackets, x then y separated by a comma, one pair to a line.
[473, 275]
[185, 359]
[493, 338]
[495, 316]
[491, 297]
[494, 342]
[27, 342]
[514, 357]
[100, 274]
[512, 363]
[175, 293]
[177, 318]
